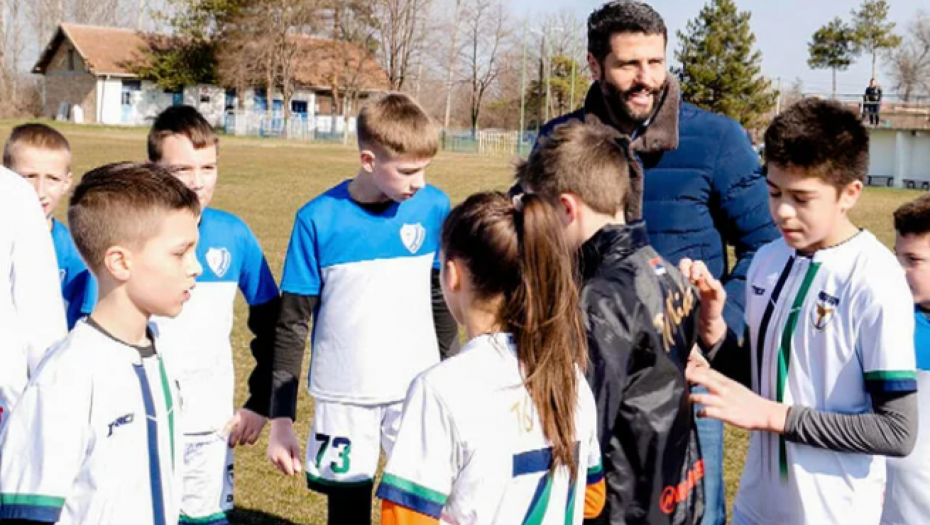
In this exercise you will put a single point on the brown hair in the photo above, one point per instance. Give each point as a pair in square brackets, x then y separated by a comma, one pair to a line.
[123, 203]
[913, 217]
[585, 160]
[820, 139]
[34, 135]
[399, 127]
[521, 256]
[180, 120]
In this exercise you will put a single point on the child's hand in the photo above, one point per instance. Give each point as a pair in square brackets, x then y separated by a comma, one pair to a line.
[732, 403]
[244, 428]
[696, 359]
[713, 298]
[283, 447]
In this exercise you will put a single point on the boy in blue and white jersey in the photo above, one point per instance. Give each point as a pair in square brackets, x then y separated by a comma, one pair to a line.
[199, 339]
[906, 497]
[42, 156]
[94, 437]
[363, 261]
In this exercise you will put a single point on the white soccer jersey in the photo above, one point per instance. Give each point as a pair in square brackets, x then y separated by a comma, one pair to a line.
[94, 438]
[373, 328]
[826, 331]
[32, 314]
[471, 448]
[198, 339]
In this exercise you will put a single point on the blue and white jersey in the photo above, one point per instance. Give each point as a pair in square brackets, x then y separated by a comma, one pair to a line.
[906, 498]
[373, 326]
[78, 286]
[94, 438]
[198, 340]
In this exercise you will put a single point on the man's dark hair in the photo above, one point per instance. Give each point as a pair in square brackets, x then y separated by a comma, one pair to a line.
[180, 120]
[913, 218]
[621, 16]
[820, 139]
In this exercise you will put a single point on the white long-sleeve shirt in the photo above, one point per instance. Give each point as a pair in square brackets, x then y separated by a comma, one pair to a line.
[32, 315]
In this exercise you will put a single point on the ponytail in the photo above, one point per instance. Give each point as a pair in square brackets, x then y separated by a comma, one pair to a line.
[516, 249]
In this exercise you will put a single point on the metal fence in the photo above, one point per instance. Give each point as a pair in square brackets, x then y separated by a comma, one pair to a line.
[894, 110]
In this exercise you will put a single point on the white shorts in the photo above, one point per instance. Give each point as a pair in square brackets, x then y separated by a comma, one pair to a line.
[208, 479]
[345, 443]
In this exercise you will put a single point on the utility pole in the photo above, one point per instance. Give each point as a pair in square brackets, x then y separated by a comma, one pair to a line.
[548, 45]
[574, 55]
[523, 89]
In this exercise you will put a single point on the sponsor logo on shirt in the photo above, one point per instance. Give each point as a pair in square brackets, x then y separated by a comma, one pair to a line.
[413, 235]
[120, 421]
[673, 495]
[219, 259]
[678, 306]
[824, 310]
[758, 290]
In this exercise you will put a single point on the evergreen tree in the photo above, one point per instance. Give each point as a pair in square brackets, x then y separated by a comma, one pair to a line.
[720, 70]
[831, 48]
[871, 30]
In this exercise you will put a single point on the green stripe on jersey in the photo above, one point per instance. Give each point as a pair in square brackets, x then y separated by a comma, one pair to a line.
[784, 356]
[890, 375]
[597, 469]
[32, 500]
[208, 519]
[411, 487]
[169, 405]
[538, 512]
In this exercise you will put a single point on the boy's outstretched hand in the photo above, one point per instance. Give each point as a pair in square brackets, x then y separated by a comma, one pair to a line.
[712, 327]
[731, 402]
[283, 447]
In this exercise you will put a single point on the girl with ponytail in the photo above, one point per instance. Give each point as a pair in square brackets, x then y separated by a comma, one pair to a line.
[505, 432]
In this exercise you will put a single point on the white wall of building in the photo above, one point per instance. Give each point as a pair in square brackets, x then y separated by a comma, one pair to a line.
[109, 93]
[902, 155]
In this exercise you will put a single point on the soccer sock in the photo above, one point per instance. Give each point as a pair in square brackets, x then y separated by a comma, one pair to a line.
[350, 506]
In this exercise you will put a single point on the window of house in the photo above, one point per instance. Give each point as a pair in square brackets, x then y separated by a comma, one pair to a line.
[204, 98]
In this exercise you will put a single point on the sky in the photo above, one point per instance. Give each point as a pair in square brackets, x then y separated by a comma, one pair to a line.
[783, 29]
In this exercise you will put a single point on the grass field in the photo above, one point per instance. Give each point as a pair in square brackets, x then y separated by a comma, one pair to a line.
[264, 182]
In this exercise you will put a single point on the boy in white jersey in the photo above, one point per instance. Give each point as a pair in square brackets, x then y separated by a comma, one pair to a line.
[94, 438]
[183, 141]
[42, 156]
[906, 498]
[31, 314]
[363, 261]
[830, 330]
[505, 432]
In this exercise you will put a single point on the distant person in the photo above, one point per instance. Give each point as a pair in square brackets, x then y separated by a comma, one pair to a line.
[830, 358]
[32, 316]
[703, 184]
[906, 498]
[198, 339]
[42, 156]
[872, 102]
[363, 262]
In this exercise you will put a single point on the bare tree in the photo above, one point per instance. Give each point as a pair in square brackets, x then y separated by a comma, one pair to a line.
[398, 26]
[910, 63]
[453, 52]
[485, 31]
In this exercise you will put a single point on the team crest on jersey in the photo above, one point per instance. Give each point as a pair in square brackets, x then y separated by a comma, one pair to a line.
[824, 310]
[413, 235]
[219, 259]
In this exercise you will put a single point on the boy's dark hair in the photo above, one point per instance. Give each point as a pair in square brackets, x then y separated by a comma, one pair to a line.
[913, 218]
[397, 125]
[585, 160]
[33, 135]
[820, 139]
[180, 120]
[123, 204]
[621, 16]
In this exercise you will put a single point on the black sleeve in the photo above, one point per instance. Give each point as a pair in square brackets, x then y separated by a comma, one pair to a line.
[731, 357]
[889, 430]
[290, 342]
[262, 321]
[447, 330]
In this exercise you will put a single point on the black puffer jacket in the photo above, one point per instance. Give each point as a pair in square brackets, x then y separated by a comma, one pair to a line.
[641, 319]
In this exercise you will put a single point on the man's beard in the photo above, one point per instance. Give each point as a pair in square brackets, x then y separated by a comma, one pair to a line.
[618, 100]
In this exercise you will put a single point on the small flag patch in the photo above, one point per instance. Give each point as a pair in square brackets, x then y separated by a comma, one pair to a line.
[657, 266]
